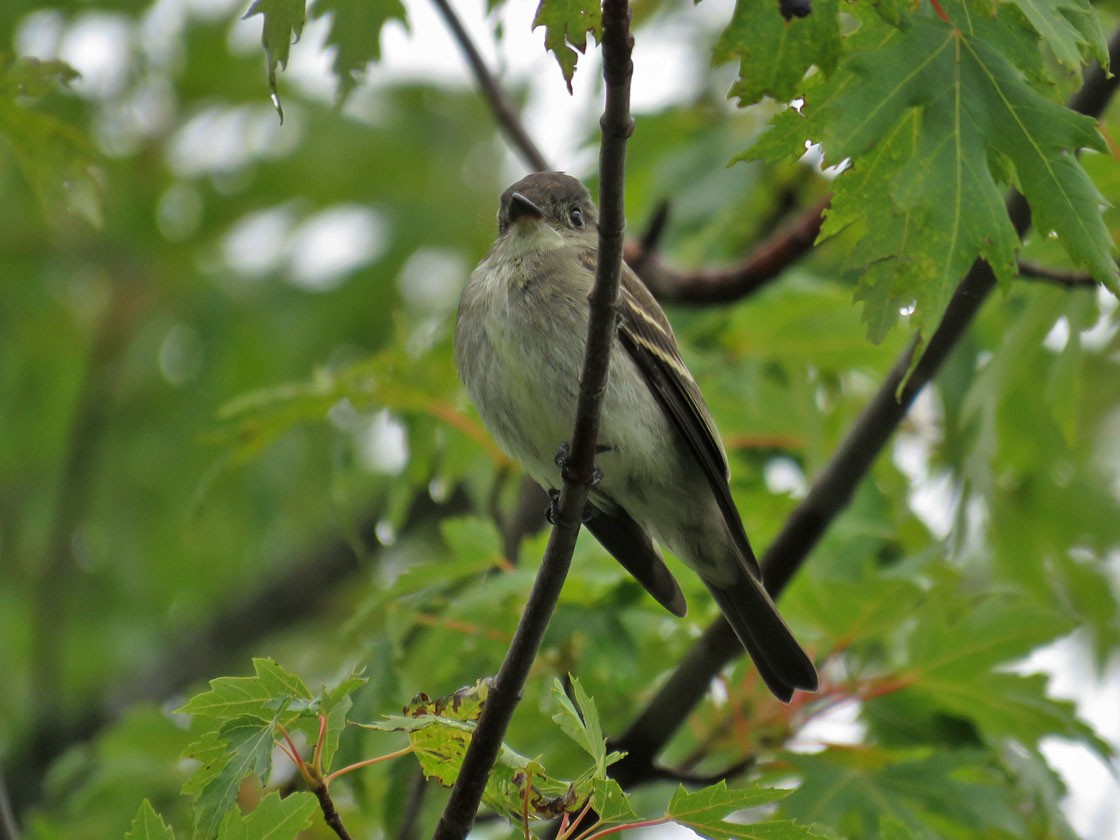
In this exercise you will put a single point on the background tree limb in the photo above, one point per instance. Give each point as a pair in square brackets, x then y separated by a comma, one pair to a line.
[687, 684]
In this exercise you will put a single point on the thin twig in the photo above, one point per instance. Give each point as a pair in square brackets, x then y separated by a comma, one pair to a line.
[330, 815]
[1071, 279]
[458, 815]
[409, 829]
[703, 286]
[830, 493]
[526, 518]
[504, 110]
[8, 828]
[292, 594]
[650, 240]
[723, 285]
[687, 777]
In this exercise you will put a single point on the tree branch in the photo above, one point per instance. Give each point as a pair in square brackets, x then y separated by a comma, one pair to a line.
[8, 828]
[409, 828]
[702, 286]
[504, 110]
[832, 490]
[616, 124]
[330, 813]
[722, 285]
[289, 596]
[1070, 279]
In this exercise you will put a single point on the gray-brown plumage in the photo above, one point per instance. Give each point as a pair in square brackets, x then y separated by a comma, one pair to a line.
[519, 343]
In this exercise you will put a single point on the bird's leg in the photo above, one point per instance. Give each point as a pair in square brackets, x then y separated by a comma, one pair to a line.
[553, 503]
[565, 451]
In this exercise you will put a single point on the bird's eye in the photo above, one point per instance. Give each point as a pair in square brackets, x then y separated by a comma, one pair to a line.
[575, 216]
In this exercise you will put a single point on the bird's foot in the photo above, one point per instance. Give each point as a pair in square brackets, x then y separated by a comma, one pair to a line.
[554, 504]
[564, 453]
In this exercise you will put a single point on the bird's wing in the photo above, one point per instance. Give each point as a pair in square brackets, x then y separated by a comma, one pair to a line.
[645, 333]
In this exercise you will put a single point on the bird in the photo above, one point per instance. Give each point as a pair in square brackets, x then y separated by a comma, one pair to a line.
[661, 468]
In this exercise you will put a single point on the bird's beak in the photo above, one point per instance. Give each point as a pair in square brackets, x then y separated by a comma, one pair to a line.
[520, 206]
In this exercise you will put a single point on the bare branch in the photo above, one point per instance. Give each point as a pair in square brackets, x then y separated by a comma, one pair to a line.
[8, 828]
[722, 285]
[526, 518]
[686, 777]
[458, 815]
[504, 110]
[1071, 279]
[832, 490]
[409, 828]
[330, 815]
[293, 594]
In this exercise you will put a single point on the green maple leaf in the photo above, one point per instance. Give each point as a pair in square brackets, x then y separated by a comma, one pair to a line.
[335, 704]
[774, 53]
[611, 802]
[57, 158]
[937, 124]
[580, 722]
[242, 747]
[283, 24]
[273, 818]
[952, 659]
[259, 697]
[862, 610]
[855, 788]
[968, 111]
[248, 712]
[705, 812]
[566, 26]
[355, 35]
[1069, 28]
[148, 825]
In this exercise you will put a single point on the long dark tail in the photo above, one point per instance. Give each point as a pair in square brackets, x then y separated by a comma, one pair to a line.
[781, 662]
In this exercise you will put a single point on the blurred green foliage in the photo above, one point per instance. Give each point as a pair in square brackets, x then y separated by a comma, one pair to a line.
[201, 396]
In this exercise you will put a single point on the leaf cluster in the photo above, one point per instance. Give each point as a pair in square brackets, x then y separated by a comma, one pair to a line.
[159, 485]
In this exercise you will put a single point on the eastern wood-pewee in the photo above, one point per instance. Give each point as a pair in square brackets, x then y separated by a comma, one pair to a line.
[519, 346]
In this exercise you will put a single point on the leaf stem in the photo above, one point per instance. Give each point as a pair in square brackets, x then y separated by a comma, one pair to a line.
[289, 748]
[504, 110]
[567, 829]
[369, 762]
[330, 813]
[317, 757]
[614, 829]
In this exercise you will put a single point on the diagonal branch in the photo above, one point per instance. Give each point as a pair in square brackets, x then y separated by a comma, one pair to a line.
[705, 286]
[700, 286]
[1069, 279]
[458, 815]
[500, 103]
[290, 596]
[686, 686]
[8, 828]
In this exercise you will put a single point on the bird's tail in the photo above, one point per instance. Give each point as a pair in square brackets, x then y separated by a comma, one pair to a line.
[780, 660]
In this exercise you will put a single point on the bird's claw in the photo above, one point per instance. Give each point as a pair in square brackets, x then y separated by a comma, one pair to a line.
[554, 505]
[564, 453]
